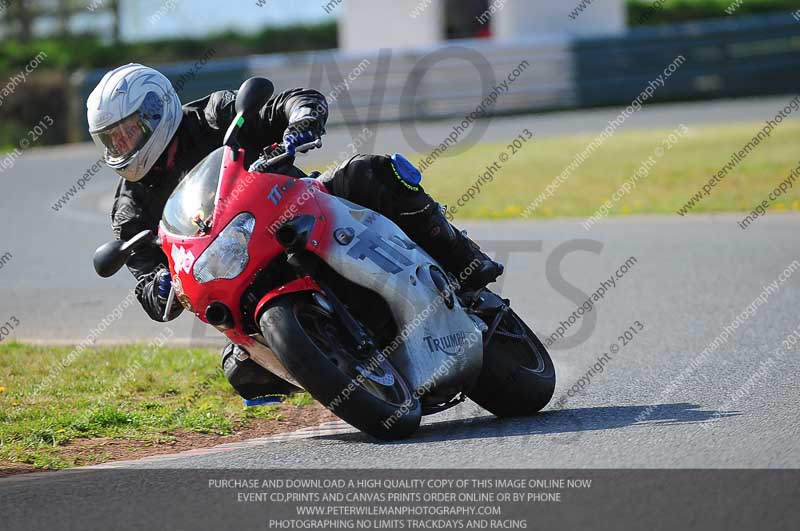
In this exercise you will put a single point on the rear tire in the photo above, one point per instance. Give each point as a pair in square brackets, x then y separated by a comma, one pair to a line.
[369, 395]
[518, 377]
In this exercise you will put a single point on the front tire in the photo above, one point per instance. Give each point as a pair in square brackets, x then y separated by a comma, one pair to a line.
[518, 377]
[367, 394]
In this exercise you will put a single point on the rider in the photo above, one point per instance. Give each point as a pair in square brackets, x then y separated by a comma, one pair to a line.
[136, 118]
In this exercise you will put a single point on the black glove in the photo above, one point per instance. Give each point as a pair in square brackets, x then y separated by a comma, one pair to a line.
[153, 295]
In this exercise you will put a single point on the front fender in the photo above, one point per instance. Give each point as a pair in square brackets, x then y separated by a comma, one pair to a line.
[301, 284]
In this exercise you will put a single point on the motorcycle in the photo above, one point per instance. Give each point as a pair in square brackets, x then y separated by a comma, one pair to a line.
[333, 297]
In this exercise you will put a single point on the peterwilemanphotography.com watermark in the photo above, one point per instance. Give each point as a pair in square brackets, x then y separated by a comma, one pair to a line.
[407, 264]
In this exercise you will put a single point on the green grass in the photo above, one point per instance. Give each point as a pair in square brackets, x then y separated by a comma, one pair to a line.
[669, 185]
[174, 391]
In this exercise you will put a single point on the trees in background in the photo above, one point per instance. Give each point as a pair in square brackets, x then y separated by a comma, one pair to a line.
[25, 20]
[649, 12]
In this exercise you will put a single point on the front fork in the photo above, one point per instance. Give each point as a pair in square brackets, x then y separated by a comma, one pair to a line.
[306, 265]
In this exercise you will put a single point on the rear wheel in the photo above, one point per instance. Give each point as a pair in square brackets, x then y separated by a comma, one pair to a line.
[367, 393]
[518, 377]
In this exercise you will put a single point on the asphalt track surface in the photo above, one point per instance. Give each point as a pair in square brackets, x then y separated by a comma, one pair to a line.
[658, 403]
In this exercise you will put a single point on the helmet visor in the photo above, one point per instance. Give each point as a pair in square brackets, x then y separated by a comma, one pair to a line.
[121, 141]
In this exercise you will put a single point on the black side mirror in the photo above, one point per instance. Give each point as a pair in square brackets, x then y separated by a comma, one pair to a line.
[252, 96]
[110, 257]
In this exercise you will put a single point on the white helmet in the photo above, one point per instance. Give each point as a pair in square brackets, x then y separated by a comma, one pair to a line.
[133, 114]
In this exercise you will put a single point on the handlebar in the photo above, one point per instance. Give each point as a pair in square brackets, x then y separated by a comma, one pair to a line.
[303, 148]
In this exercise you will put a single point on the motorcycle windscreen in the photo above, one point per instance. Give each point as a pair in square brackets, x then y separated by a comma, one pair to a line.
[191, 205]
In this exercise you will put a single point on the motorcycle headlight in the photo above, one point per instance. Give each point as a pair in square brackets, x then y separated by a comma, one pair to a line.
[227, 256]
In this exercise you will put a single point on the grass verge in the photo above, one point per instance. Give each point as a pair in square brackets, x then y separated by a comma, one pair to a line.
[176, 399]
[669, 184]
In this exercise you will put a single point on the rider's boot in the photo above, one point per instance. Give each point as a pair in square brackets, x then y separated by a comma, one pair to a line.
[424, 221]
[250, 379]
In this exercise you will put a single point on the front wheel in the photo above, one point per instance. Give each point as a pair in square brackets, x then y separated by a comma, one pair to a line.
[518, 377]
[368, 394]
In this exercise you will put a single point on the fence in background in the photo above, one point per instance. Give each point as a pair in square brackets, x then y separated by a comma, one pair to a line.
[732, 57]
